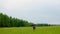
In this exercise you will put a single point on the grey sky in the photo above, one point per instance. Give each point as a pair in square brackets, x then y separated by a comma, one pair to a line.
[36, 11]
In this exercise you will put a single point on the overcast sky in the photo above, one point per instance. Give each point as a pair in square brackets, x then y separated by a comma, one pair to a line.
[36, 11]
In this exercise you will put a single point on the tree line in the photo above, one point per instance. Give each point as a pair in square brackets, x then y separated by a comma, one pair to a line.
[8, 21]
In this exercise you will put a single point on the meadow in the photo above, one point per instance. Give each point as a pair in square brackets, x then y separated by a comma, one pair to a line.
[29, 30]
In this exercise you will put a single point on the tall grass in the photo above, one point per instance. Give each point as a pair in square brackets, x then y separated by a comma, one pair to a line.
[29, 30]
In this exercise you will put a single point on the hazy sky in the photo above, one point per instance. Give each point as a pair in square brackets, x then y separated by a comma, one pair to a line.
[36, 11]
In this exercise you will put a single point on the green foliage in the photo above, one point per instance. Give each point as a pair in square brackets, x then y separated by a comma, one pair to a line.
[6, 21]
[42, 25]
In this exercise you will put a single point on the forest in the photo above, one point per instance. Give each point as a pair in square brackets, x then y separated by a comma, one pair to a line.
[8, 21]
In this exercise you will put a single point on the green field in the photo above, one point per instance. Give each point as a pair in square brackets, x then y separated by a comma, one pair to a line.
[29, 30]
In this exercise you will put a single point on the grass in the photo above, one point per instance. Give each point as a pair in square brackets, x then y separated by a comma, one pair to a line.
[29, 30]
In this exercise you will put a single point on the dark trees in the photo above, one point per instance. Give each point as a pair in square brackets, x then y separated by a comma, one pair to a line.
[6, 21]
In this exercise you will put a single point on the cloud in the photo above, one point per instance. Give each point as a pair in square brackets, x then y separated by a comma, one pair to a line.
[37, 11]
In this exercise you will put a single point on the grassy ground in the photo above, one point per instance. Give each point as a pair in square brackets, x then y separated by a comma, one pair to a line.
[29, 30]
